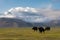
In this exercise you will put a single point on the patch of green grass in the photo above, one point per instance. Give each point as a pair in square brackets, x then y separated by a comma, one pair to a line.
[28, 34]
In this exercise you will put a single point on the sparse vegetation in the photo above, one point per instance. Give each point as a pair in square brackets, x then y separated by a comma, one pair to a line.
[28, 34]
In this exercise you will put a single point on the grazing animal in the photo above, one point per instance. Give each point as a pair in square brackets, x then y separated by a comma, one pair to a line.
[35, 28]
[41, 29]
[47, 28]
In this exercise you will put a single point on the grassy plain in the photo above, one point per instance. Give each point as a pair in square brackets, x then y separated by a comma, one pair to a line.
[28, 34]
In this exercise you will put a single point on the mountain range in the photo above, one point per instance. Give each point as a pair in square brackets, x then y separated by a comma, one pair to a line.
[52, 23]
[14, 22]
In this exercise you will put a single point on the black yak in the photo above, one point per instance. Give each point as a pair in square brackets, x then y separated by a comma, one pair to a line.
[47, 28]
[35, 28]
[41, 29]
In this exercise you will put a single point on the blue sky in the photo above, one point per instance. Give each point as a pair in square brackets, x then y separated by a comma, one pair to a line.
[7, 4]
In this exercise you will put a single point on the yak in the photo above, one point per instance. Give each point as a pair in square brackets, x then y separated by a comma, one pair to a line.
[47, 28]
[41, 29]
[35, 28]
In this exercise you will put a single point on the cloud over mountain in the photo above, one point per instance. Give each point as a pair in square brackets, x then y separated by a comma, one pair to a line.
[33, 14]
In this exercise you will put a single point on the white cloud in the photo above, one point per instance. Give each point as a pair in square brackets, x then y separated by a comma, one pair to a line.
[33, 14]
[21, 9]
[40, 19]
[53, 14]
[50, 13]
[7, 16]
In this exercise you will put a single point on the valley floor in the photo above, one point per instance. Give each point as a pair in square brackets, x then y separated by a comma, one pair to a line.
[28, 34]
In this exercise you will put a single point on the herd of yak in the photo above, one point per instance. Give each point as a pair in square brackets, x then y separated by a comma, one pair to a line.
[41, 29]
